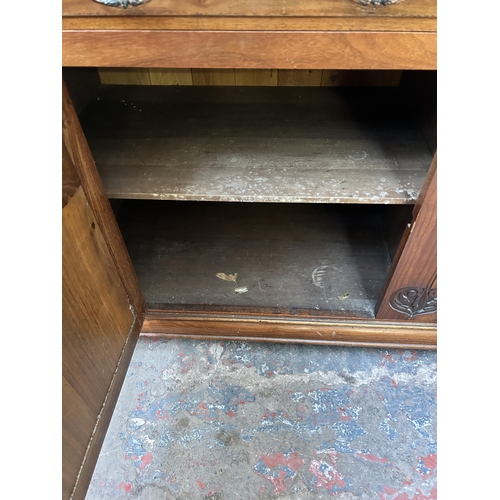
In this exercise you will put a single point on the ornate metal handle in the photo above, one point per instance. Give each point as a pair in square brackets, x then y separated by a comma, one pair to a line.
[122, 3]
[376, 3]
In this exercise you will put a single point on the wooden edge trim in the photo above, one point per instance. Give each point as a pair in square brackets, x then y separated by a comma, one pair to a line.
[354, 333]
[429, 178]
[342, 23]
[250, 49]
[92, 454]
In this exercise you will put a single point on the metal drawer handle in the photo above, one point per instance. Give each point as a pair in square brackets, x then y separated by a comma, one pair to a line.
[122, 3]
[377, 3]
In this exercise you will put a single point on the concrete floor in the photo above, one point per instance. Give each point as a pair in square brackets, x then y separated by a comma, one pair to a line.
[230, 420]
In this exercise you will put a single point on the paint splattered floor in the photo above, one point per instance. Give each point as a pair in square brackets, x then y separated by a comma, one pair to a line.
[230, 420]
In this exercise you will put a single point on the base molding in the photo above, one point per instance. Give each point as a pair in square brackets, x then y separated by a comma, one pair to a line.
[360, 333]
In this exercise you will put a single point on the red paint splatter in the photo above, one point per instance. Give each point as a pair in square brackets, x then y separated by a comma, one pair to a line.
[294, 461]
[403, 496]
[418, 495]
[202, 406]
[273, 460]
[200, 484]
[413, 356]
[390, 490]
[388, 357]
[146, 460]
[231, 413]
[326, 475]
[371, 458]
[393, 382]
[127, 487]
[429, 463]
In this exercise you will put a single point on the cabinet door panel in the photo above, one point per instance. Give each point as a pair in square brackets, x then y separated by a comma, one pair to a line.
[411, 289]
[99, 326]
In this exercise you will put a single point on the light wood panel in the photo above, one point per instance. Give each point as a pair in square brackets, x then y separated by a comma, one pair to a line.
[213, 77]
[250, 49]
[235, 23]
[170, 77]
[256, 77]
[96, 322]
[299, 78]
[125, 76]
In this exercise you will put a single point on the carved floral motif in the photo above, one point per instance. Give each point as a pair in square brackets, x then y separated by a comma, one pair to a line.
[414, 301]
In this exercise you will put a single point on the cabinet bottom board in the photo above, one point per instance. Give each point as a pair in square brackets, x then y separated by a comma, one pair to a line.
[326, 259]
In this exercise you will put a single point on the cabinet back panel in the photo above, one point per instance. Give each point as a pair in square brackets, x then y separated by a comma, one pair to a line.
[252, 77]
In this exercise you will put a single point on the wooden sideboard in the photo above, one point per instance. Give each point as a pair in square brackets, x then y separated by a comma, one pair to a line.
[254, 170]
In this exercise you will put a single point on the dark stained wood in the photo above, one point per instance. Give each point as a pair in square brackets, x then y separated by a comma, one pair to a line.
[254, 8]
[96, 322]
[341, 332]
[319, 257]
[81, 157]
[233, 23]
[417, 262]
[109, 404]
[288, 145]
[250, 49]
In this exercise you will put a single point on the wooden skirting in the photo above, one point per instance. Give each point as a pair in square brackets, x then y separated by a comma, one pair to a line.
[361, 333]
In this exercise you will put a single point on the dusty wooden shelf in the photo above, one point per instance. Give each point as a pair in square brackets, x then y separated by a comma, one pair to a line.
[314, 257]
[247, 144]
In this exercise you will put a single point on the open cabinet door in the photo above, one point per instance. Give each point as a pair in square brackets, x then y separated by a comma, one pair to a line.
[101, 311]
[411, 288]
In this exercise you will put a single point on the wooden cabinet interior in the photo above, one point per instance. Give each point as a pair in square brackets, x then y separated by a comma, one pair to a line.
[305, 190]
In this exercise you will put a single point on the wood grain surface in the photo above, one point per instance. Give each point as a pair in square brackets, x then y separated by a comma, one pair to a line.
[250, 49]
[94, 447]
[96, 321]
[416, 265]
[81, 157]
[233, 23]
[289, 145]
[255, 8]
[360, 333]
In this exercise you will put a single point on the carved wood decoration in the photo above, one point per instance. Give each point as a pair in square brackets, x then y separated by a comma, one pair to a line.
[414, 301]
[122, 3]
[376, 3]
